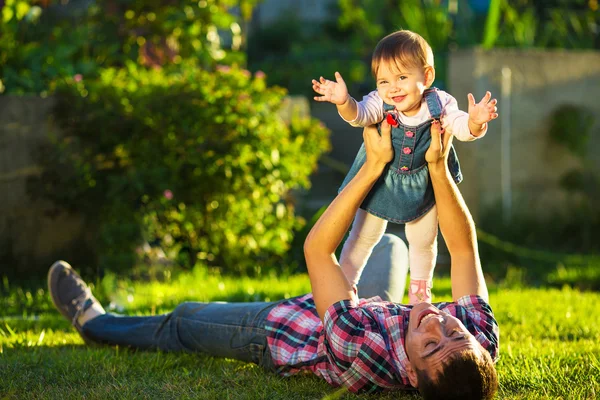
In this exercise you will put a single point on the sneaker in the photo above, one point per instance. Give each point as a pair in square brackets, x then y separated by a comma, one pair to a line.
[419, 291]
[72, 297]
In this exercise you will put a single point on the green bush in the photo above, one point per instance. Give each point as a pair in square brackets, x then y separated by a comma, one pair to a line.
[41, 45]
[199, 163]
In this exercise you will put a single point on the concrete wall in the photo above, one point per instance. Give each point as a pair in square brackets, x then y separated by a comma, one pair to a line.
[541, 82]
[33, 232]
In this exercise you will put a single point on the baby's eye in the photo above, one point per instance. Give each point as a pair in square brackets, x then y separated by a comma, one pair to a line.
[402, 77]
[382, 83]
[429, 344]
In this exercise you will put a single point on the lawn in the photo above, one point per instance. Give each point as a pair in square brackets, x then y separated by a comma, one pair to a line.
[550, 345]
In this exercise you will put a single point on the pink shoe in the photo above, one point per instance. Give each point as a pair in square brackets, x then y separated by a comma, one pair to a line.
[419, 291]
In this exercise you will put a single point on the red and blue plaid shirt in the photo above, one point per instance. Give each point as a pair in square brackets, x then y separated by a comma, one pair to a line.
[361, 346]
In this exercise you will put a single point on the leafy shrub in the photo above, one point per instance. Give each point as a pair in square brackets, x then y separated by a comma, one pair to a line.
[40, 45]
[196, 162]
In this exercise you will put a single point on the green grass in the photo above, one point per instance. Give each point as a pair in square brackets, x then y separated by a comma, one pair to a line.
[550, 345]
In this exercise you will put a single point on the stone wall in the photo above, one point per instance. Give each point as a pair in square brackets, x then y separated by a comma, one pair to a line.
[33, 232]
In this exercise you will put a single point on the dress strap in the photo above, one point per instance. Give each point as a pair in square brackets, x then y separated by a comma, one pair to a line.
[388, 108]
[433, 102]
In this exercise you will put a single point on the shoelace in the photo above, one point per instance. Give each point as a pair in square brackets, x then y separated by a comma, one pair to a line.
[81, 304]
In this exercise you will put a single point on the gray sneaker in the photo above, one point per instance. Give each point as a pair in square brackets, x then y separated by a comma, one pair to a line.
[70, 294]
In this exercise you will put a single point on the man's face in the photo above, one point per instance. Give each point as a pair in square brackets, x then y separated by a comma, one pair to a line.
[433, 336]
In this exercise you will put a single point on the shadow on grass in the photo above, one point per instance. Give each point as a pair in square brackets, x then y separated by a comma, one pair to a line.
[72, 370]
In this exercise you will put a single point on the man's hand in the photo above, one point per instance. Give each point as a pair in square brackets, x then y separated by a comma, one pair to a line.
[481, 113]
[333, 92]
[378, 147]
[439, 148]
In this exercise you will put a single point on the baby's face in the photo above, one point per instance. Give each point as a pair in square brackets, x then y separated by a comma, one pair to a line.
[401, 86]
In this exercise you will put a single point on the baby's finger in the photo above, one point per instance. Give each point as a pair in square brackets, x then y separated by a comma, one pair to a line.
[493, 102]
[471, 99]
[320, 98]
[494, 116]
[323, 81]
[486, 98]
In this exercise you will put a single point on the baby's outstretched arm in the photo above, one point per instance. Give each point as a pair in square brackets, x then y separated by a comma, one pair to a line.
[336, 93]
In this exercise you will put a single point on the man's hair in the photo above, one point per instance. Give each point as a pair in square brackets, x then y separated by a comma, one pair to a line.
[402, 48]
[465, 376]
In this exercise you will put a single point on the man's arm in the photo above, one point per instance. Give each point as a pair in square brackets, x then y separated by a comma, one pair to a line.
[329, 285]
[456, 222]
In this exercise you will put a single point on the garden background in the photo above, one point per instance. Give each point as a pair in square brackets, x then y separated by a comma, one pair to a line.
[171, 151]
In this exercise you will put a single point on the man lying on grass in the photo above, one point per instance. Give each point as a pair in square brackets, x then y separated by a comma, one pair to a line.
[445, 350]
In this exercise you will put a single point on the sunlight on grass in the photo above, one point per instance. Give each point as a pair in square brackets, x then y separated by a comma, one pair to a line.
[549, 347]
[201, 286]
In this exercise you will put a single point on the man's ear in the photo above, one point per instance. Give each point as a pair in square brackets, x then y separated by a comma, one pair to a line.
[412, 375]
[429, 76]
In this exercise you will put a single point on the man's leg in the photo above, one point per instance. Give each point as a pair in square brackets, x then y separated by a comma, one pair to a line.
[386, 271]
[234, 330]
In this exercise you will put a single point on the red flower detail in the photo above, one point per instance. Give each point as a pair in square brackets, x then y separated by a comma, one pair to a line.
[391, 120]
[406, 150]
[409, 134]
[405, 168]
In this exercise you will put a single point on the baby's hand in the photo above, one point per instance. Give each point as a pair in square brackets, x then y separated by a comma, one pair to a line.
[333, 92]
[484, 111]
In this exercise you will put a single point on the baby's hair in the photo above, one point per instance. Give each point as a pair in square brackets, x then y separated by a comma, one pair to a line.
[402, 48]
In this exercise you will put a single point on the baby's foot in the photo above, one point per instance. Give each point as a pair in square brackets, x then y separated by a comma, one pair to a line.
[419, 291]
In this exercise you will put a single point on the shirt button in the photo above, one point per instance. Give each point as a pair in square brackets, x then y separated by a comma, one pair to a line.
[409, 134]
[406, 150]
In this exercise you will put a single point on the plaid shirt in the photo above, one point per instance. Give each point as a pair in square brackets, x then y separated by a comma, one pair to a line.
[361, 346]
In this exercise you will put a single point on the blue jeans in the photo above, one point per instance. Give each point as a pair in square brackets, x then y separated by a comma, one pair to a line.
[236, 330]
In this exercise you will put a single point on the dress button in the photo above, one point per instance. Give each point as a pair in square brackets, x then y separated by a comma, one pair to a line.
[405, 168]
[406, 150]
[409, 134]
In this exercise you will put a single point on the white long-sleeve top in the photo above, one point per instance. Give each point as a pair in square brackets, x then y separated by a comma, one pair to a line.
[370, 111]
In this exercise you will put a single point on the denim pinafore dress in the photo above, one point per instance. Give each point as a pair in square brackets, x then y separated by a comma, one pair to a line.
[404, 192]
